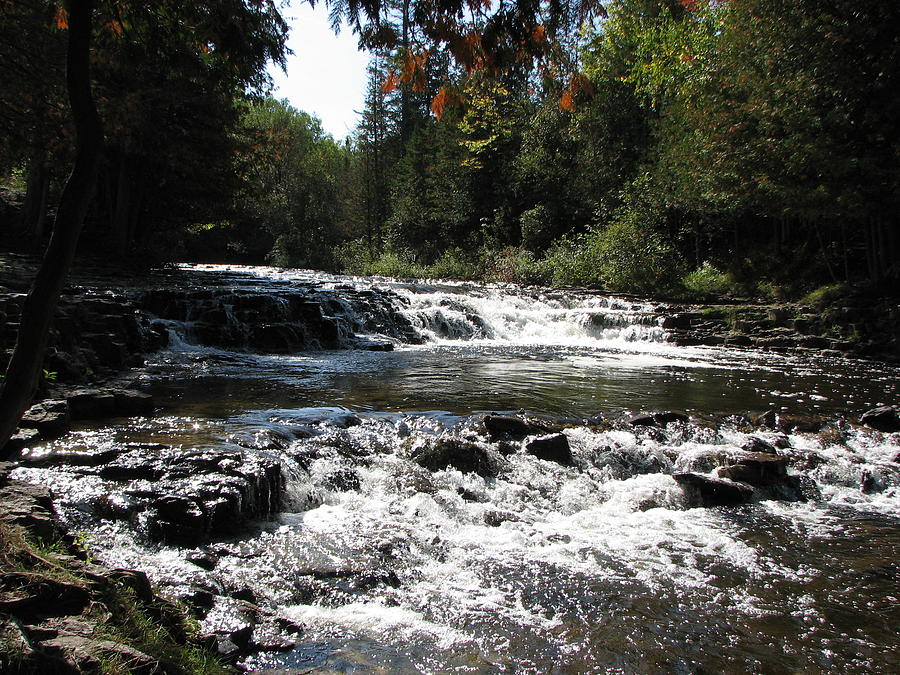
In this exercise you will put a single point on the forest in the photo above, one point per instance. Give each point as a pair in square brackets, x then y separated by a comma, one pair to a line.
[671, 147]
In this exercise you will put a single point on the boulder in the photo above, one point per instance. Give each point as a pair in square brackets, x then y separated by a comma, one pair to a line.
[50, 418]
[466, 456]
[703, 490]
[130, 403]
[508, 427]
[759, 469]
[756, 444]
[883, 419]
[88, 404]
[552, 447]
[657, 419]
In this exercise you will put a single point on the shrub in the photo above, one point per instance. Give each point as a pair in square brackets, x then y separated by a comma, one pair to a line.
[635, 258]
[708, 280]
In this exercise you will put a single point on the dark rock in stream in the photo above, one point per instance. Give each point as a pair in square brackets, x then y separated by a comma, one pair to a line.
[50, 418]
[507, 427]
[883, 419]
[657, 419]
[757, 469]
[553, 448]
[703, 490]
[188, 496]
[466, 456]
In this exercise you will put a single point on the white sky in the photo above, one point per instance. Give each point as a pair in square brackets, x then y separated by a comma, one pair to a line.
[326, 76]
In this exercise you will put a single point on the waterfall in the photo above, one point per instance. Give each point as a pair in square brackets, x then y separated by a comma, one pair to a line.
[264, 310]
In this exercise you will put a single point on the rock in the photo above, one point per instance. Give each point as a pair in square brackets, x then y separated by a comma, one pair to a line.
[30, 595]
[136, 580]
[29, 506]
[49, 418]
[553, 448]
[758, 469]
[465, 456]
[86, 404]
[23, 438]
[131, 403]
[186, 496]
[789, 423]
[757, 444]
[203, 560]
[507, 427]
[682, 321]
[87, 655]
[883, 419]
[657, 419]
[703, 490]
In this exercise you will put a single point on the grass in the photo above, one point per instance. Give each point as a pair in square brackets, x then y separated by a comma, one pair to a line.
[158, 628]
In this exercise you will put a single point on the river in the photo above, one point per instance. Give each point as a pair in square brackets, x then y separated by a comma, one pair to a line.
[597, 565]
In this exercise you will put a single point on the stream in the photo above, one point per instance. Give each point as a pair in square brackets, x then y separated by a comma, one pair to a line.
[597, 564]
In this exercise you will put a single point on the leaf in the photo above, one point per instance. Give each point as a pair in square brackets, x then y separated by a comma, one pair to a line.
[567, 101]
[391, 83]
[62, 18]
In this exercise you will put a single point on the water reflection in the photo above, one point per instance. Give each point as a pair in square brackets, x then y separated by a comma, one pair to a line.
[557, 381]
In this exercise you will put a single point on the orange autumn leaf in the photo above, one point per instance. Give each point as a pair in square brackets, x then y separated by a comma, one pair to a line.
[116, 27]
[567, 101]
[538, 34]
[439, 103]
[62, 18]
[391, 83]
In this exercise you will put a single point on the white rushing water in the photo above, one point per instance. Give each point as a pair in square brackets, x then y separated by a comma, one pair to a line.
[601, 564]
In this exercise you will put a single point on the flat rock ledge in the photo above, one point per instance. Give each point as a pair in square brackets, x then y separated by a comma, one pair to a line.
[173, 495]
[59, 612]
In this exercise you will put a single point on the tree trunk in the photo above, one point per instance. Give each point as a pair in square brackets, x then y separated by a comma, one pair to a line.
[34, 217]
[120, 223]
[24, 370]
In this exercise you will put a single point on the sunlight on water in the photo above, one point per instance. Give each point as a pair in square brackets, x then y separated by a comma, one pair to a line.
[601, 564]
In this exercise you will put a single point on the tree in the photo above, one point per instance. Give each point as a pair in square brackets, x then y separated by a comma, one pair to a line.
[24, 370]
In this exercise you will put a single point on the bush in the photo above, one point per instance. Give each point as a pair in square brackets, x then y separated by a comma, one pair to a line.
[635, 258]
[454, 263]
[826, 295]
[706, 279]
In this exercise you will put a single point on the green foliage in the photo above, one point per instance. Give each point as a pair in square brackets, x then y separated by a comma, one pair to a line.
[826, 295]
[708, 280]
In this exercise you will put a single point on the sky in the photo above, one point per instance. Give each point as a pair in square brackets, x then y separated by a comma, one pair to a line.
[326, 75]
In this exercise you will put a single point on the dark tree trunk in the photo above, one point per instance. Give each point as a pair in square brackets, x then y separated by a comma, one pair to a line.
[121, 224]
[24, 371]
[34, 216]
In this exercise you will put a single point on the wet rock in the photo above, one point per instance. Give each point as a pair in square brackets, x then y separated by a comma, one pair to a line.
[790, 423]
[342, 479]
[758, 469]
[703, 490]
[49, 418]
[466, 456]
[29, 506]
[507, 427]
[756, 444]
[23, 438]
[130, 403]
[245, 594]
[202, 559]
[263, 439]
[553, 448]
[86, 404]
[186, 496]
[883, 419]
[657, 419]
